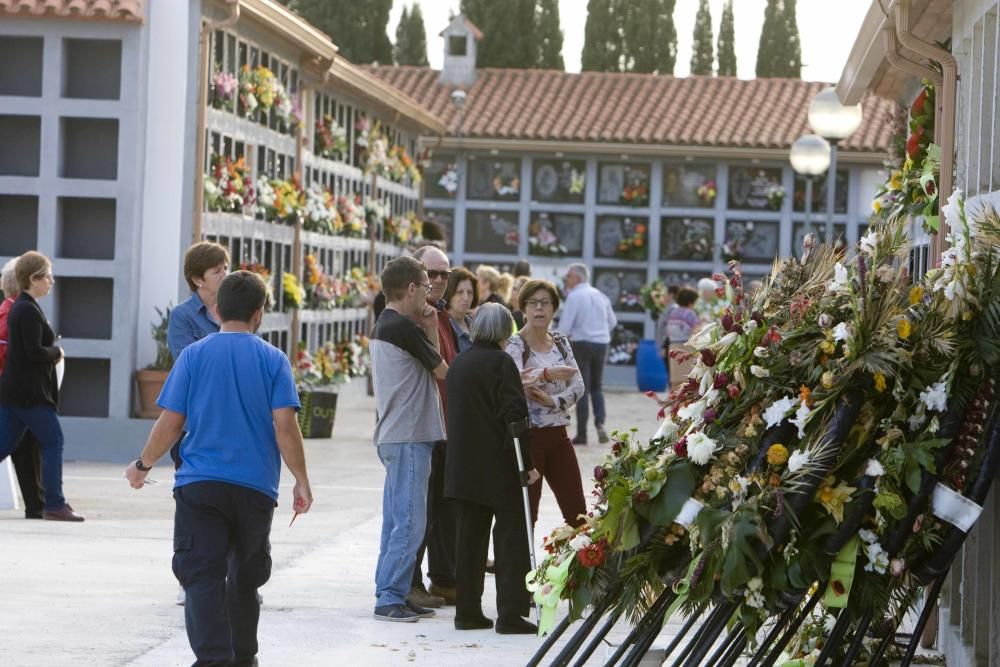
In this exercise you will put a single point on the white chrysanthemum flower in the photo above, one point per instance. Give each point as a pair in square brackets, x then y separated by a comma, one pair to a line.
[797, 460]
[776, 412]
[840, 279]
[700, 448]
[667, 429]
[693, 411]
[874, 468]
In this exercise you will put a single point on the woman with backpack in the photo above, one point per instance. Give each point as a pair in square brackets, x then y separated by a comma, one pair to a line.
[552, 385]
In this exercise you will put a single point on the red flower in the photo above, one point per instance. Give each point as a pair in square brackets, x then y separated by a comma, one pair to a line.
[918, 104]
[721, 380]
[709, 415]
[913, 144]
[600, 473]
[640, 497]
[681, 447]
[734, 390]
[708, 357]
[593, 555]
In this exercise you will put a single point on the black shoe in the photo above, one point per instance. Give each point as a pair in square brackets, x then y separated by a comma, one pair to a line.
[396, 613]
[246, 662]
[35, 514]
[602, 436]
[515, 626]
[422, 612]
[580, 440]
[474, 623]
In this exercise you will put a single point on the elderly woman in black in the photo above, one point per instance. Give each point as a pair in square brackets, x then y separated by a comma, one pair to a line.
[481, 474]
[28, 390]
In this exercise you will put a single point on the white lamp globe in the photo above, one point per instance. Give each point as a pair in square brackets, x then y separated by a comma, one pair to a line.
[810, 155]
[831, 119]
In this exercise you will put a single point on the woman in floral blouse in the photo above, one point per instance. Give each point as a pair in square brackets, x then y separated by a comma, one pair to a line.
[552, 385]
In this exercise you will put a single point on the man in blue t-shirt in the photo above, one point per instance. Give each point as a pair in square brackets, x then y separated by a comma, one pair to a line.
[238, 397]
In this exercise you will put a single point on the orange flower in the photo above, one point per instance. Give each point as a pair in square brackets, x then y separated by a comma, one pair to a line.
[640, 229]
[804, 395]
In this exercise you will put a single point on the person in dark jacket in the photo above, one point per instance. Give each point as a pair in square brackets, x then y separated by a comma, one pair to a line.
[485, 394]
[29, 392]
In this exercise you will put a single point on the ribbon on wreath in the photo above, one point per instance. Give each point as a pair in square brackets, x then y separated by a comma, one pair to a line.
[951, 506]
[841, 576]
[547, 589]
[689, 512]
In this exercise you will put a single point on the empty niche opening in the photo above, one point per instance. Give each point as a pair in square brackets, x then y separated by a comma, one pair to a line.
[86, 388]
[85, 307]
[21, 66]
[18, 224]
[92, 69]
[86, 228]
[20, 142]
[90, 148]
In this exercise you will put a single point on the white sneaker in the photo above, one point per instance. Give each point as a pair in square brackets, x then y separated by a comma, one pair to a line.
[180, 597]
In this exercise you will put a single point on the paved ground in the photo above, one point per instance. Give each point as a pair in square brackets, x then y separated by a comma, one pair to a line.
[101, 592]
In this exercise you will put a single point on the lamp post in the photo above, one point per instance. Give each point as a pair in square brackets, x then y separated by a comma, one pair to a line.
[810, 157]
[833, 121]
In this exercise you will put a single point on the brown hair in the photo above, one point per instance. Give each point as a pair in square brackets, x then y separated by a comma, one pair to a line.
[686, 297]
[533, 286]
[30, 265]
[398, 274]
[458, 276]
[201, 257]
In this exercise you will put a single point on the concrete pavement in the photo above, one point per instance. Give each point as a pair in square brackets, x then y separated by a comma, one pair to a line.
[102, 593]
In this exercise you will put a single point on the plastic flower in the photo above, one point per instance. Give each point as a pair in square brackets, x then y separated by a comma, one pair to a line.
[700, 448]
[777, 454]
[797, 460]
[903, 328]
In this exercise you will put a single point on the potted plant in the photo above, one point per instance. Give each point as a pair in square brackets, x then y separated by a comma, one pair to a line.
[151, 378]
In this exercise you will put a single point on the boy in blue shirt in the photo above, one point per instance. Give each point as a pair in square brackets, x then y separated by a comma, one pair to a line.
[238, 398]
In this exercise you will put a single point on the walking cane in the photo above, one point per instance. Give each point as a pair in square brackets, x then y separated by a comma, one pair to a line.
[514, 428]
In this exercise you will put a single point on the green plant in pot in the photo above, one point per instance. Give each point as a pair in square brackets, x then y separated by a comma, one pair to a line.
[150, 379]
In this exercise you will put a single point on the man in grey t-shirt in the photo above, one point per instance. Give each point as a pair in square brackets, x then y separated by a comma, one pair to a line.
[405, 361]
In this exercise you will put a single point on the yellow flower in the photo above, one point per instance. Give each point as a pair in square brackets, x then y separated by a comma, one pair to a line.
[879, 382]
[828, 347]
[777, 454]
[877, 206]
[896, 182]
[828, 379]
[833, 498]
[916, 294]
[903, 328]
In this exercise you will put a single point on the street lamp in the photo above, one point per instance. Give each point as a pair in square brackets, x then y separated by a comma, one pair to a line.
[810, 157]
[833, 121]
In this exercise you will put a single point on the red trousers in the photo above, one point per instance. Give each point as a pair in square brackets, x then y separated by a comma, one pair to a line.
[555, 460]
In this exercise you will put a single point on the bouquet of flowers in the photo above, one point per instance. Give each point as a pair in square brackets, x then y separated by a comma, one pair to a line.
[506, 187]
[265, 274]
[635, 194]
[227, 186]
[350, 359]
[449, 180]
[706, 193]
[307, 372]
[320, 211]
[775, 197]
[654, 297]
[279, 200]
[406, 229]
[543, 241]
[577, 182]
[352, 213]
[224, 86]
[361, 129]
[331, 138]
[294, 293]
[632, 246]
[801, 453]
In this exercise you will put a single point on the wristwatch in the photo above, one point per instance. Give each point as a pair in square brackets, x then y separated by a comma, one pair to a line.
[139, 466]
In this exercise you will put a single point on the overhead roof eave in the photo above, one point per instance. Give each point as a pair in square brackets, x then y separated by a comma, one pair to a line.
[277, 18]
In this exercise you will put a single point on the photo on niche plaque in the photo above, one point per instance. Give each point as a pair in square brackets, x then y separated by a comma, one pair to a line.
[623, 184]
[751, 242]
[621, 287]
[441, 177]
[624, 342]
[559, 181]
[754, 188]
[689, 185]
[555, 235]
[494, 178]
[689, 239]
[491, 232]
[622, 237]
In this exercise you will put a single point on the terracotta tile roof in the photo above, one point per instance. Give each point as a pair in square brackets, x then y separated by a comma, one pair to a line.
[107, 10]
[633, 108]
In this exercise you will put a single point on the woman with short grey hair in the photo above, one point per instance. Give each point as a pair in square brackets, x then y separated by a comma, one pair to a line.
[27, 458]
[481, 475]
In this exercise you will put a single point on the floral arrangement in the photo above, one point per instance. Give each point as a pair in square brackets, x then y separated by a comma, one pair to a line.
[635, 194]
[265, 274]
[352, 213]
[506, 187]
[818, 414]
[775, 197]
[401, 165]
[294, 293]
[732, 249]
[377, 214]
[279, 200]
[577, 182]
[914, 168]
[224, 86]
[331, 363]
[632, 246]
[449, 180]
[405, 230]
[362, 126]
[330, 138]
[621, 352]
[542, 241]
[707, 192]
[260, 92]
[227, 186]
[654, 297]
[307, 373]
[319, 214]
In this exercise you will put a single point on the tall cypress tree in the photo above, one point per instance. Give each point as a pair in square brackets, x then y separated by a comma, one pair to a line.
[666, 37]
[411, 38]
[357, 28]
[792, 56]
[727, 42]
[702, 51]
[770, 47]
[549, 36]
[509, 35]
[602, 40]
[639, 35]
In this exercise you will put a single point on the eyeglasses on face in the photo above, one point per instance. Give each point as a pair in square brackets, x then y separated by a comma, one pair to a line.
[427, 286]
[434, 274]
[535, 303]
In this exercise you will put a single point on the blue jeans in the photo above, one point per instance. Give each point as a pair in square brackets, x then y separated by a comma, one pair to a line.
[404, 517]
[590, 358]
[43, 423]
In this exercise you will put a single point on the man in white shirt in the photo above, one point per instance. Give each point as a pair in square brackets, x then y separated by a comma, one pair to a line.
[587, 320]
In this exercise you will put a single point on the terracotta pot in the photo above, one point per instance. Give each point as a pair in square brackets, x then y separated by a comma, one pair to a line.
[150, 383]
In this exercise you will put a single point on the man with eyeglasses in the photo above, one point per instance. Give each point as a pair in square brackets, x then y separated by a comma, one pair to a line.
[588, 320]
[442, 518]
[406, 360]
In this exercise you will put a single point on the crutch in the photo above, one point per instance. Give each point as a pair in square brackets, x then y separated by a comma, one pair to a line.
[514, 429]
